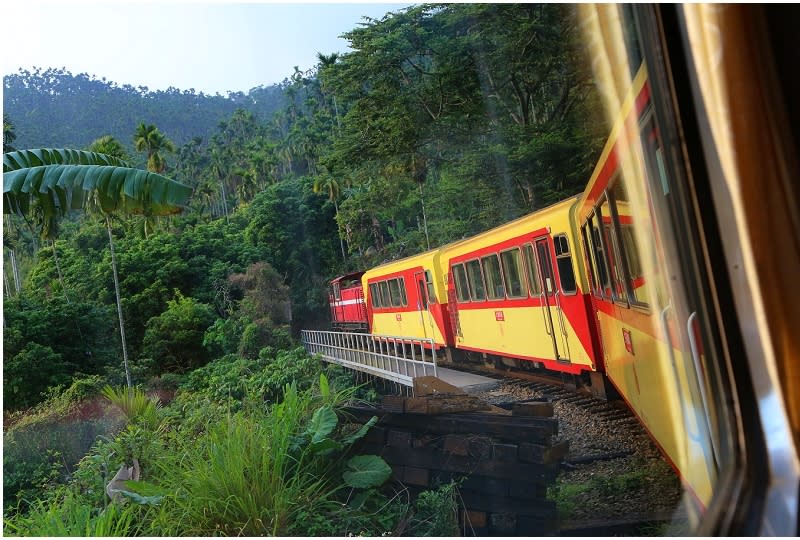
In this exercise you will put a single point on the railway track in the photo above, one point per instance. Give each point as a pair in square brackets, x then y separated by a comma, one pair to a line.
[613, 480]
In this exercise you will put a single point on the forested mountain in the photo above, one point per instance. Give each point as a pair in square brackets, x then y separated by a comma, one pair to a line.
[443, 121]
[54, 108]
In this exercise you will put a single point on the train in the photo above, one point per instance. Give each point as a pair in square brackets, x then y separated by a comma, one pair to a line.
[670, 279]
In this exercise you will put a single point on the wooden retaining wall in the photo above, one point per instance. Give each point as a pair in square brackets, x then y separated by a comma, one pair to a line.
[504, 459]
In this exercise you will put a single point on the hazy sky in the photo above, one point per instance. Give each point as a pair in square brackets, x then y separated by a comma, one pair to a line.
[211, 47]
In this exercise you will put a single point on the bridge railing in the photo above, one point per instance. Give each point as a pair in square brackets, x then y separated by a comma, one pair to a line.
[395, 358]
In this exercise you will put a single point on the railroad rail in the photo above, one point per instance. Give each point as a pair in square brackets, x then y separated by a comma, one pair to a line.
[394, 358]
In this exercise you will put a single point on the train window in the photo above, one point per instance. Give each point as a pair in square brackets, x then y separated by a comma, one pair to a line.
[616, 271]
[429, 286]
[532, 271]
[566, 274]
[403, 297]
[394, 293]
[460, 279]
[599, 258]
[384, 290]
[630, 252]
[475, 277]
[589, 260]
[337, 291]
[374, 296]
[423, 297]
[512, 273]
[495, 289]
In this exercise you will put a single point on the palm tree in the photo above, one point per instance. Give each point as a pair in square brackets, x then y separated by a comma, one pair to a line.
[327, 183]
[149, 139]
[8, 134]
[55, 181]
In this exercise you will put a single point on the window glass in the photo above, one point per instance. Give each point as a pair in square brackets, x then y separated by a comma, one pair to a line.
[628, 246]
[423, 297]
[599, 258]
[394, 293]
[475, 277]
[566, 274]
[611, 240]
[384, 289]
[429, 285]
[460, 278]
[587, 249]
[494, 279]
[403, 297]
[337, 293]
[532, 271]
[374, 296]
[512, 273]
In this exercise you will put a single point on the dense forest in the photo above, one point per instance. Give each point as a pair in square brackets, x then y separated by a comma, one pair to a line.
[443, 121]
[53, 107]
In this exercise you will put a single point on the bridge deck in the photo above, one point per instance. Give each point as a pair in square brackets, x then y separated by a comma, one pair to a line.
[469, 382]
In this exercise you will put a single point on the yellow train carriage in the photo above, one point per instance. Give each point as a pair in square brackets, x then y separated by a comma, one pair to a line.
[407, 298]
[647, 354]
[518, 292]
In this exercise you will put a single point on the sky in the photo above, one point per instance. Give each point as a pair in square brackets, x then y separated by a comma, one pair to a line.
[213, 47]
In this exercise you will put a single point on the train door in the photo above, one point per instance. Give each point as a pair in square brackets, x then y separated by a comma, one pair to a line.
[549, 296]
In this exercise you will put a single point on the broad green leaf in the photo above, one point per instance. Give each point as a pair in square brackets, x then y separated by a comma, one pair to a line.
[366, 471]
[324, 387]
[324, 446]
[361, 432]
[142, 499]
[322, 423]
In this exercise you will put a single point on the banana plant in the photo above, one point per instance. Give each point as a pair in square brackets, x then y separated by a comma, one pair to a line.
[52, 182]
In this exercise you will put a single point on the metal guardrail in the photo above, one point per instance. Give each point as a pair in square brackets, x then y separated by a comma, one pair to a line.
[394, 358]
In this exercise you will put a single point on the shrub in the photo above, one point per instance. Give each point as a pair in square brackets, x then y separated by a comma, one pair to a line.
[173, 340]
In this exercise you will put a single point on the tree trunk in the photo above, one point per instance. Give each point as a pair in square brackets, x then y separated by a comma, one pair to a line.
[58, 269]
[15, 271]
[341, 242]
[224, 199]
[424, 218]
[119, 304]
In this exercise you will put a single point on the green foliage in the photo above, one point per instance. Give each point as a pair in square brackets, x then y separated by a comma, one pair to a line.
[67, 514]
[30, 372]
[135, 405]
[233, 377]
[366, 471]
[46, 341]
[174, 339]
[42, 447]
[436, 513]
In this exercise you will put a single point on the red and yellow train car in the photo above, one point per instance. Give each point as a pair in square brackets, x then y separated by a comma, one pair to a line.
[517, 293]
[407, 298]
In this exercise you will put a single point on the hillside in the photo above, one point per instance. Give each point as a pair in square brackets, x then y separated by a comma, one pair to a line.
[54, 108]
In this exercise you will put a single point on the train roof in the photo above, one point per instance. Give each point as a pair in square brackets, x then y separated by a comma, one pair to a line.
[405, 261]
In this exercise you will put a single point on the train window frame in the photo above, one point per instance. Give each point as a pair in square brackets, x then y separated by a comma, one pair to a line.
[337, 291]
[498, 294]
[429, 288]
[567, 255]
[598, 248]
[374, 295]
[401, 281]
[472, 291]
[383, 288]
[588, 259]
[520, 269]
[613, 254]
[458, 287]
[619, 238]
[395, 299]
[529, 253]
